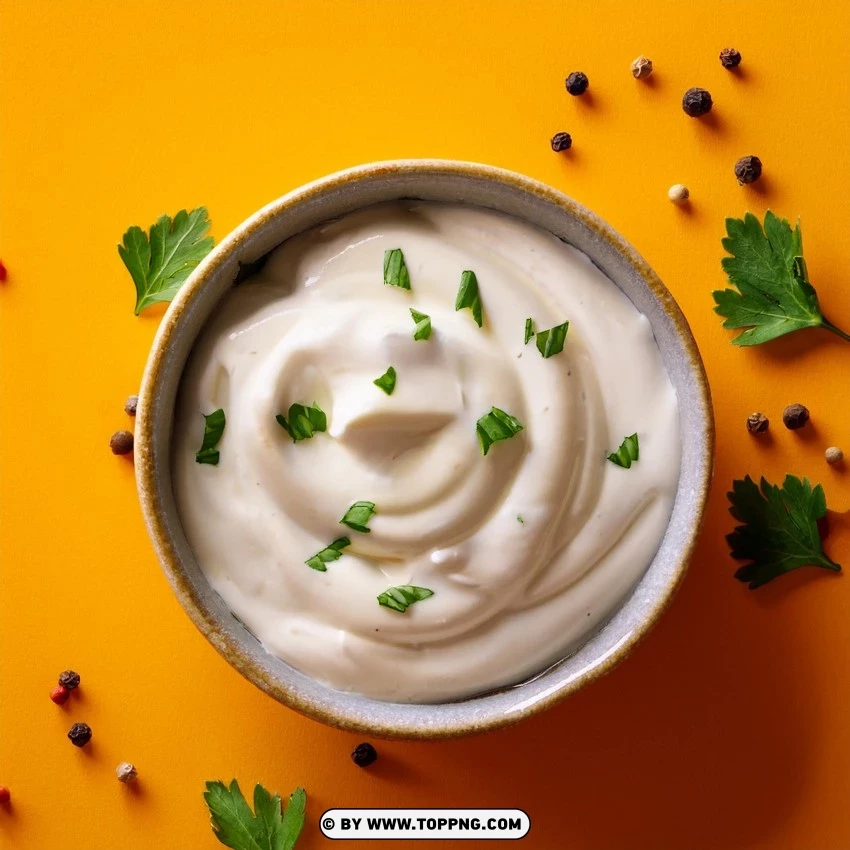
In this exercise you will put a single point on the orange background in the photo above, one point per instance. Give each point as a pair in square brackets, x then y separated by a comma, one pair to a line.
[728, 727]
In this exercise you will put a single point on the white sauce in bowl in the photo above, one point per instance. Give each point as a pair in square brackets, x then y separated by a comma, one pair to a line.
[527, 550]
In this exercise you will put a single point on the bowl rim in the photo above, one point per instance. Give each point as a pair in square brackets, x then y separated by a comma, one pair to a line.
[147, 476]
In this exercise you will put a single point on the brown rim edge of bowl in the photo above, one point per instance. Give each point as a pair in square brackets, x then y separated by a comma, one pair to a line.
[148, 489]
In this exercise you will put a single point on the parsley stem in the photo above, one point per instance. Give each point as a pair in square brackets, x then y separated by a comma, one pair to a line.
[837, 331]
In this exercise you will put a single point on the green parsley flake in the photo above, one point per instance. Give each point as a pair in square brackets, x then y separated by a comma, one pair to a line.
[395, 269]
[551, 342]
[627, 454]
[213, 429]
[529, 330]
[494, 426]
[358, 515]
[328, 554]
[423, 325]
[387, 381]
[303, 421]
[467, 296]
[402, 597]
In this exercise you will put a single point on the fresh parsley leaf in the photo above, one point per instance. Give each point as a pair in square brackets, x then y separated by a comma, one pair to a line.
[395, 269]
[161, 262]
[387, 381]
[494, 426]
[551, 342]
[303, 421]
[779, 530]
[266, 828]
[358, 515]
[774, 296]
[328, 554]
[467, 296]
[628, 453]
[529, 330]
[402, 597]
[213, 429]
[423, 325]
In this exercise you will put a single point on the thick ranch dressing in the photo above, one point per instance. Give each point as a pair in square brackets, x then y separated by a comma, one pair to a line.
[527, 550]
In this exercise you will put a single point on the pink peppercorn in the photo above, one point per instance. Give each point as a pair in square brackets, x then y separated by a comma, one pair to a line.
[60, 695]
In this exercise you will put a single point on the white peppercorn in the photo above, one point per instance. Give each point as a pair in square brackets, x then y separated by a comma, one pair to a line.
[641, 68]
[833, 455]
[126, 772]
[678, 193]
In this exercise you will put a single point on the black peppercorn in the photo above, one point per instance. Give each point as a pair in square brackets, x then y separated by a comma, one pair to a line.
[562, 142]
[730, 58]
[757, 423]
[80, 734]
[130, 405]
[696, 102]
[577, 83]
[748, 169]
[795, 416]
[70, 680]
[364, 755]
[121, 443]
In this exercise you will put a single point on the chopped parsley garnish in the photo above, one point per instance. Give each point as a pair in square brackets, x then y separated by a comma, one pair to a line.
[551, 342]
[772, 294]
[627, 454]
[467, 296]
[358, 515]
[213, 429]
[494, 426]
[779, 528]
[268, 827]
[328, 554]
[423, 325]
[159, 263]
[395, 269]
[519, 519]
[303, 421]
[402, 597]
[387, 381]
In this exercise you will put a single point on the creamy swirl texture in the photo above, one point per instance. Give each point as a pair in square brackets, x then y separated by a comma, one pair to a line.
[527, 550]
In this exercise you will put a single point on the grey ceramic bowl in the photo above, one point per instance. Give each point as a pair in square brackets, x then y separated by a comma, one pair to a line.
[333, 196]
